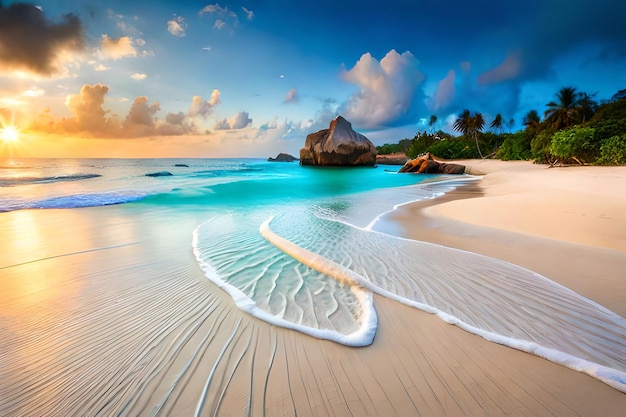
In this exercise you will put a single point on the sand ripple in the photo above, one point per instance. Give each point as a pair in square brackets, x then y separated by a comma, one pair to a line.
[500, 301]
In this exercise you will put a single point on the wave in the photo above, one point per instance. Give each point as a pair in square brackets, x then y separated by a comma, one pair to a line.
[73, 201]
[499, 301]
[273, 286]
[10, 182]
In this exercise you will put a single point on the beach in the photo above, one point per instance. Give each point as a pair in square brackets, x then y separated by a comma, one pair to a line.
[107, 312]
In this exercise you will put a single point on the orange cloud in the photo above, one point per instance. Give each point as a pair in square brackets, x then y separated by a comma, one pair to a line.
[89, 118]
[117, 48]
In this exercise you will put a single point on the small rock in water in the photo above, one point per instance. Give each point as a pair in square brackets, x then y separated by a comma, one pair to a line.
[283, 157]
[159, 174]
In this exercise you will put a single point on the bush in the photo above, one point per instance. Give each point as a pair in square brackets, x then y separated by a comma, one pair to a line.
[540, 147]
[454, 149]
[576, 143]
[516, 146]
[613, 151]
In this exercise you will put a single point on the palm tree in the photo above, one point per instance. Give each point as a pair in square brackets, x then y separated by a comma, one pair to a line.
[563, 112]
[531, 121]
[497, 123]
[432, 121]
[587, 106]
[470, 125]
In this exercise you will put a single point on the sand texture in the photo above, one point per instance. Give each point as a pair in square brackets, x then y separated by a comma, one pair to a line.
[105, 311]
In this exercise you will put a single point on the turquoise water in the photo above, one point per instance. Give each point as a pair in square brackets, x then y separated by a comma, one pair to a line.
[299, 247]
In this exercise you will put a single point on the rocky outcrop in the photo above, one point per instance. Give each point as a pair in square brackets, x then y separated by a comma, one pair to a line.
[339, 145]
[425, 164]
[283, 157]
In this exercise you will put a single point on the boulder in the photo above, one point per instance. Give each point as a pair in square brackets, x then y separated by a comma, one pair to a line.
[283, 157]
[339, 145]
[159, 174]
[425, 164]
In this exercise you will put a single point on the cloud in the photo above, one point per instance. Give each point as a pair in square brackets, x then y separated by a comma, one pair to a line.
[445, 92]
[111, 48]
[200, 107]
[238, 121]
[177, 26]
[292, 96]
[36, 45]
[509, 69]
[223, 15]
[33, 92]
[138, 76]
[249, 13]
[86, 106]
[141, 113]
[90, 118]
[389, 93]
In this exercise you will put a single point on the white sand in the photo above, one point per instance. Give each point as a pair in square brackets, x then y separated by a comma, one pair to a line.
[104, 311]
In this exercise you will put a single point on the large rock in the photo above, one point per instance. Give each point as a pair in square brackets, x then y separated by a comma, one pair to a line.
[425, 164]
[338, 145]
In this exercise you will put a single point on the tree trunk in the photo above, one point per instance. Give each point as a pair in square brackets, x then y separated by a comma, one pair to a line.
[478, 147]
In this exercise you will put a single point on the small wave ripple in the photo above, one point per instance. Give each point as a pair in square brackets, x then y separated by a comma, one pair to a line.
[499, 301]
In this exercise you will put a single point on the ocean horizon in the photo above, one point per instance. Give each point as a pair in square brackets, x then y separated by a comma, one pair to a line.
[303, 248]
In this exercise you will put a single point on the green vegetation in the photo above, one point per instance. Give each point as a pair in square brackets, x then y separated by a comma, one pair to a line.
[575, 130]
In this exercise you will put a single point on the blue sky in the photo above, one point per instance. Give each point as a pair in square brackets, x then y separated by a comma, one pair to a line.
[252, 78]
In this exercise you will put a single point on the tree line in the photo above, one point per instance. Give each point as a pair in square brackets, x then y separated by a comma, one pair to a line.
[575, 129]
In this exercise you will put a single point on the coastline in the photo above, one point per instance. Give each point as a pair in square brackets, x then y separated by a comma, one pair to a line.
[567, 224]
[87, 330]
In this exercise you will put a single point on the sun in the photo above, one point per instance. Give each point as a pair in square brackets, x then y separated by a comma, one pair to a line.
[9, 134]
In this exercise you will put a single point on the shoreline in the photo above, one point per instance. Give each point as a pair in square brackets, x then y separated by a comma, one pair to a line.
[152, 335]
[479, 218]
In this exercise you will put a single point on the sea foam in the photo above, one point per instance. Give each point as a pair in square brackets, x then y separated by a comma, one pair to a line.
[496, 300]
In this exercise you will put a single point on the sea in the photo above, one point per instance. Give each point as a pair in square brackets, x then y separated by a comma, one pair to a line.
[305, 248]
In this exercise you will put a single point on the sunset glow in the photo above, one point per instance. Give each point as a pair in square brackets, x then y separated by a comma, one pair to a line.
[163, 79]
[9, 134]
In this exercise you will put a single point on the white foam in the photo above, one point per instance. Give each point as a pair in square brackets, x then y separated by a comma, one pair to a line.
[364, 336]
[608, 324]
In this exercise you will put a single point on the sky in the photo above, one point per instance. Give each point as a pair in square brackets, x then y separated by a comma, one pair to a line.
[253, 78]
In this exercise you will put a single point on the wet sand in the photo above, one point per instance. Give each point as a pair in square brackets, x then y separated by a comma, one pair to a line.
[104, 311]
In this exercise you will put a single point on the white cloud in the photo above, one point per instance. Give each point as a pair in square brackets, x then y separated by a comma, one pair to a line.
[177, 26]
[34, 92]
[292, 96]
[101, 68]
[115, 49]
[388, 90]
[138, 76]
[249, 13]
[223, 16]
[238, 121]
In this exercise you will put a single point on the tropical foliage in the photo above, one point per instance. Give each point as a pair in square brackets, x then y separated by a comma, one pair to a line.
[470, 125]
[576, 129]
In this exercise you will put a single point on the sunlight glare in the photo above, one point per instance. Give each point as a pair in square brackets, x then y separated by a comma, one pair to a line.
[9, 134]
